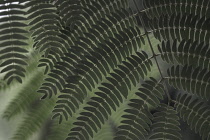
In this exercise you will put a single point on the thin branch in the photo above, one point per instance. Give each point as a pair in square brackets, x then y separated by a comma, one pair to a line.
[153, 52]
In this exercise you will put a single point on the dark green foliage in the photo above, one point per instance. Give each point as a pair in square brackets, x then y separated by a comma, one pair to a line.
[96, 58]
[103, 104]
[156, 8]
[45, 27]
[92, 49]
[195, 112]
[13, 36]
[137, 120]
[181, 27]
[185, 52]
[195, 81]
[165, 124]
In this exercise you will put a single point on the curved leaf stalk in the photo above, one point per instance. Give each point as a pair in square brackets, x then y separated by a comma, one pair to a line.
[60, 131]
[123, 45]
[115, 117]
[91, 51]
[101, 107]
[134, 89]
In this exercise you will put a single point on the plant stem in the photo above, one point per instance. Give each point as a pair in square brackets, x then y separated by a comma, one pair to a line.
[153, 52]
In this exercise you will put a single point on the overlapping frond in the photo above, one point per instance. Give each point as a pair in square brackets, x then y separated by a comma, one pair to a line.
[91, 51]
[59, 131]
[165, 124]
[86, 46]
[195, 81]
[156, 8]
[91, 64]
[185, 52]
[94, 68]
[181, 27]
[24, 97]
[34, 119]
[12, 40]
[46, 32]
[135, 125]
[45, 25]
[90, 12]
[76, 95]
[70, 12]
[196, 113]
[84, 13]
[110, 95]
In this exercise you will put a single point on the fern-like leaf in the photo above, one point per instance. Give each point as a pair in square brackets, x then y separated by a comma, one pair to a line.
[110, 94]
[136, 122]
[70, 12]
[195, 112]
[83, 68]
[181, 27]
[186, 78]
[185, 52]
[91, 48]
[45, 27]
[13, 36]
[134, 61]
[166, 124]
[156, 8]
